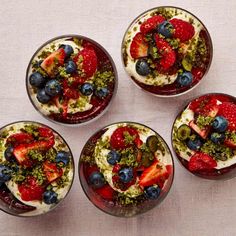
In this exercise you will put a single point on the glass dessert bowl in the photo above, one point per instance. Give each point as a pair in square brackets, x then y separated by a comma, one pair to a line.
[36, 168]
[126, 169]
[71, 80]
[166, 51]
[204, 136]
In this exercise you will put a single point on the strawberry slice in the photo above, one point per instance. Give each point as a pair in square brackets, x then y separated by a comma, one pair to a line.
[155, 174]
[86, 61]
[69, 91]
[106, 192]
[230, 143]
[202, 132]
[54, 60]
[197, 74]
[138, 47]
[168, 54]
[201, 162]
[30, 190]
[61, 105]
[151, 24]
[51, 171]
[19, 138]
[20, 153]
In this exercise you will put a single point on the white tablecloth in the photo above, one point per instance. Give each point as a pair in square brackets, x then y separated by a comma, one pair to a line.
[194, 206]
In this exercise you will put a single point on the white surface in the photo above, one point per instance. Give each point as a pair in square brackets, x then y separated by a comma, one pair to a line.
[194, 206]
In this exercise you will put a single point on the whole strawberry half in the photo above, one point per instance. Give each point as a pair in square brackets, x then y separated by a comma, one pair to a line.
[201, 162]
[86, 61]
[168, 54]
[183, 30]
[19, 138]
[138, 47]
[151, 24]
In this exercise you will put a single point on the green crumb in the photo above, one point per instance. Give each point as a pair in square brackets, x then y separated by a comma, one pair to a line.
[128, 157]
[62, 72]
[129, 139]
[102, 79]
[4, 134]
[31, 129]
[38, 173]
[51, 155]
[203, 121]
[36, 155]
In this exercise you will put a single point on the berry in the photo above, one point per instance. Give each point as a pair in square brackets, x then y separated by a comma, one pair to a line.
[51, 171]
[183, 30]
[63, 157]
[142, 67]
[19, 138]
[185, 79]
[138, 47]
[151, 24]
[70, 67]
[68, 49]
[102, 92]
[5, 173]
[106, 192]
[8, 154]
[220, 124]
[126, 175]
[42, 96]
[153, 143]
[50, 197]
[202, 132]
[152, 192]
[96, 179]
[165, 28]
[69, 91]
[36, 80]
[183, 132]
[201, 162]
[53, 87]
[168, 54]
[113, 157]
[194, 144]
[217, 138]
[86, 89]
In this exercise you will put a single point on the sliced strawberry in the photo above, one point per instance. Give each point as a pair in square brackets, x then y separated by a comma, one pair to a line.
[54, 60]
[51, 171]
[197, 74]
[151, 24]
[202, 132]
[230, 143]
[155, 174]
[20, 153]
[30, 190]
[19, 138]
[228, 111]
[201, 162]
[62, 105]
[106, 192]
[138, 47]
[183, 30]
[69, 91]
[168, 54]
[86, 61]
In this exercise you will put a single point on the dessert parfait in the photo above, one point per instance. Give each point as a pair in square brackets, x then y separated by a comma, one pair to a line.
[166, 51]
[126, 169]
[204, 136]
[36, 168]
[71, 79]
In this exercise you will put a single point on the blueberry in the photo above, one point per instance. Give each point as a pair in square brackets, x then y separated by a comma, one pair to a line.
[70, 67]
[53, 87]
[63, 157]
[126, 174]
[142, 67]
[96, 179]
[217, 138]
[68, 49]
[113, 157]
[185, 79]
[50, 197]
[220, 124]
[36, 79]
[42, 96]
[8, 154]
[5, 173]
[152, 192]
[102, 92]
[194, 144]
[86, 89]
[165, 29]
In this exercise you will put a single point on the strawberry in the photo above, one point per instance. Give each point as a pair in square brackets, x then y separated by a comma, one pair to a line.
[54, 60]
[202, 132]
[155, 174]
[69, 91]
[183, 30]
[19, 138]
[168, 54]
[151, 24]
[138, 47]
[106, 192]
[201, 162]
[118, 141]
[230, 143]
[61, 105]
[51, 171]
[86, 61]
[30, 190]
[197, 74]
[228, 111]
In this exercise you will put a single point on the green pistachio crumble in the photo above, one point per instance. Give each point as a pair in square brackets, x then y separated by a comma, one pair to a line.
[102, 79]
[129, 139]
[62, 72]
[51, 154]
[38, 173]
[203, 121]
[128, 157]
[125, 200]
[4, 134]
[231, 135]
[31, 129]
[36, 155]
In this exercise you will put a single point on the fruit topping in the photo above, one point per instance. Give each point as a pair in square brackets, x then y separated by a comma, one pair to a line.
[153, 143]
[50, 197]
[126, 175]
[113, 157]
[8, 154]
[106, 192]
[101, 93]
[37, 80]
[96, 179]
[42, 96]
[203, 132]
[185, 79]
[194, 144]
[53, 87]
[217, 138]
[68, 50]
[142, 67]
[63, 157]
[70, 67]
[87, 89]
[51, 171]
[166, 29]
[5, 173]
[151, 24]
[183, 132]
[220, 124]
[138, 47]
[19, 138]
[152, 192]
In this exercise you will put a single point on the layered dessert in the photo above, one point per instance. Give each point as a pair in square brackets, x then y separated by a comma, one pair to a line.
[166, 51]
[36, 169]
[204, 136]
[126, 169]
[71, 79]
